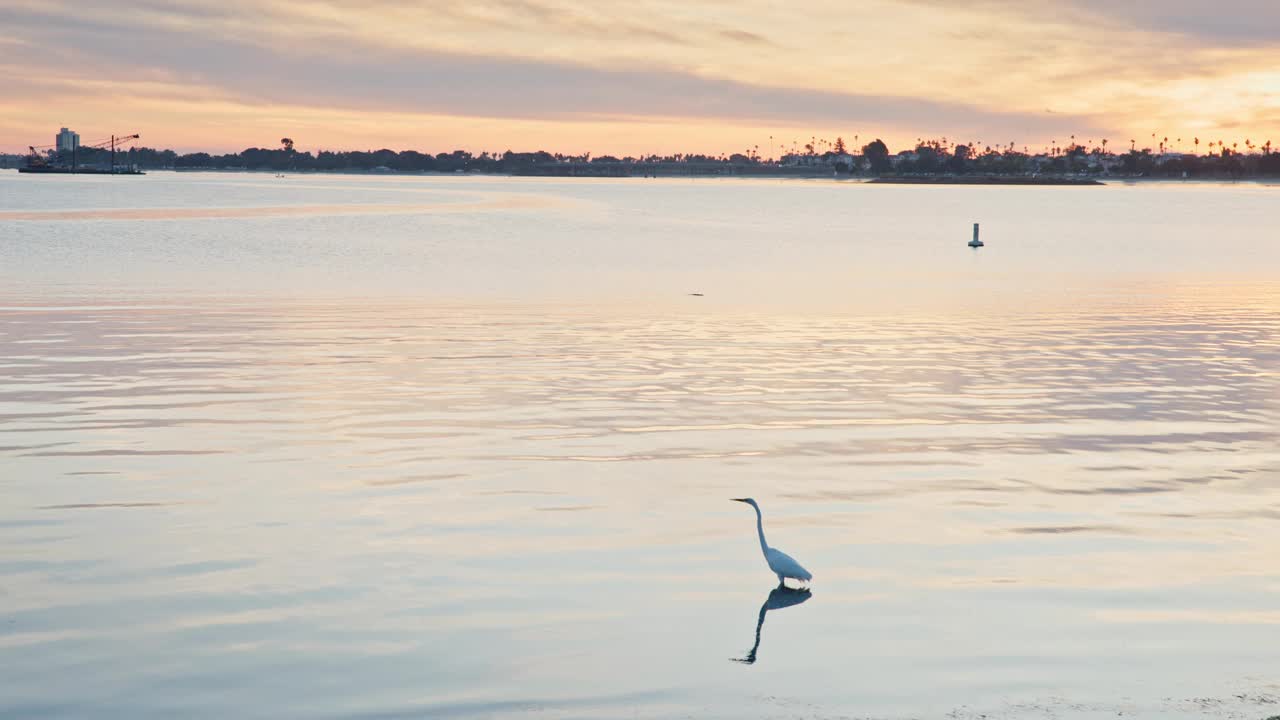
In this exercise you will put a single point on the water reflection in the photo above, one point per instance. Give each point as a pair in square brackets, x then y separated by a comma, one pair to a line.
[272, 474]
[478, 203]
[780, 597]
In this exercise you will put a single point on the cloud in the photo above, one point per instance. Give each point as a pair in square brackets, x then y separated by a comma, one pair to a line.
[745, 37]
[1225, 20]
[1214, 23]
[905, 68]
[357, 76]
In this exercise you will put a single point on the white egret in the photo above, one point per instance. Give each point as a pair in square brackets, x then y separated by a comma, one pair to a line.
[782, 564]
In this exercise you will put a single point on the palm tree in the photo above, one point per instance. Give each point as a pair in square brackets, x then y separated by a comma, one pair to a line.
[287, 144]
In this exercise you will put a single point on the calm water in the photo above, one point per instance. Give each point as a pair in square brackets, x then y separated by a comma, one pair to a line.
[350, 447]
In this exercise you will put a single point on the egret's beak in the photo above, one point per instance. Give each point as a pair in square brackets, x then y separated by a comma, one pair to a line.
[738, 499]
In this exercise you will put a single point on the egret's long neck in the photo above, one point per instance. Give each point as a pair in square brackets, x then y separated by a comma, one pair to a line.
[764, 548]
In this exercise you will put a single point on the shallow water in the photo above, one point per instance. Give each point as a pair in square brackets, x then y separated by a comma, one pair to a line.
[454, 447]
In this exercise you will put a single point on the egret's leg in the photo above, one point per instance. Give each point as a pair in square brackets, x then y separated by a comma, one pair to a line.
[782, 582]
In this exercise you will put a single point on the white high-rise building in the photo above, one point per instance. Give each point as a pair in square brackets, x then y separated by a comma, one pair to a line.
[67, 140]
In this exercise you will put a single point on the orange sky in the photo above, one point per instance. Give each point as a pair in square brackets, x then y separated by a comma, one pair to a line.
[637, 77]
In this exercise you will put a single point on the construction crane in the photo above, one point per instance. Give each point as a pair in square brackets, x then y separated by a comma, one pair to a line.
[113, 140]
[39, 155]
[111, 143]
[43, 158]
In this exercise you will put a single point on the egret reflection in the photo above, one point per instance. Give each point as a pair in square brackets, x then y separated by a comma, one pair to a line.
[780, 597]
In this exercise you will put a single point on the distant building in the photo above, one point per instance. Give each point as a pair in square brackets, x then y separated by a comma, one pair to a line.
[906, 156]
[68, 141]
[802, 160]
[827, 159]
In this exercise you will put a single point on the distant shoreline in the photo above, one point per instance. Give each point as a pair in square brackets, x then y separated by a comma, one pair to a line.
[990, 180]
[983, 180]
[790, 174]
[605, 173]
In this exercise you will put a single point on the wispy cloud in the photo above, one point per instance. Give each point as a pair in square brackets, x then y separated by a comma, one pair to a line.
[358, 76]
[984, 69]
[745, 37]
[1204, 23]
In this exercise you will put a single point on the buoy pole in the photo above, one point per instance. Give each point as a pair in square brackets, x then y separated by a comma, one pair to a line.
[975, 234]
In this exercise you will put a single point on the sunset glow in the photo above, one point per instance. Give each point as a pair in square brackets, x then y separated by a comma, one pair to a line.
[641, 77]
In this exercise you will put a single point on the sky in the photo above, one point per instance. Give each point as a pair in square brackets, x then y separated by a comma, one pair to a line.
[638, 77]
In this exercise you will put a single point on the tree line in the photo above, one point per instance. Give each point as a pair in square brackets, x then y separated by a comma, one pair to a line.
[926, 157]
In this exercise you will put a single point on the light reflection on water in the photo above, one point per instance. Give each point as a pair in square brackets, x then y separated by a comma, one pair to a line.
[435, 510]
[248, 504]
[513, 202]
